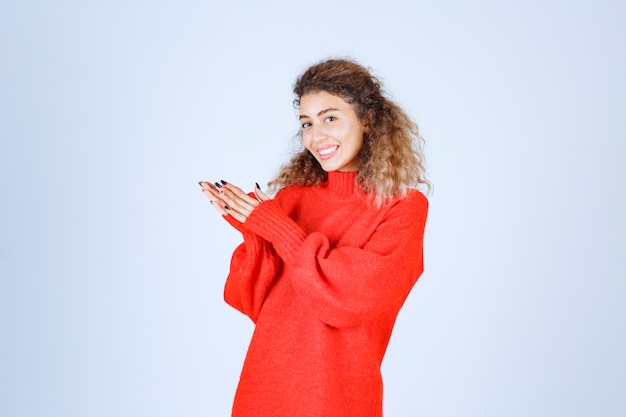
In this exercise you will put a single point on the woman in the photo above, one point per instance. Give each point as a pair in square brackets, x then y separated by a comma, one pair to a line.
[325, 266]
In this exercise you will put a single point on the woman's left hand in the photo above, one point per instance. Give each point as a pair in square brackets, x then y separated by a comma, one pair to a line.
[232, 200]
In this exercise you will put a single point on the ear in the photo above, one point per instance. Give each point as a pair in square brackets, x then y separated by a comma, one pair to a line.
[368, 120]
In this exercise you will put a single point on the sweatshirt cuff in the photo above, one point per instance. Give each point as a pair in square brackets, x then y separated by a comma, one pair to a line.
[234, 222]
[270, 222]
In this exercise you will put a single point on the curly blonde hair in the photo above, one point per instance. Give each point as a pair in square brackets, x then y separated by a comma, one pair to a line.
[391, 159]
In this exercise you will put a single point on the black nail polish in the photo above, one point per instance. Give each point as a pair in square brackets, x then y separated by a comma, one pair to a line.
[257, 185]
[200, 183]
[218, 185]
[227, 208]
[223, 182]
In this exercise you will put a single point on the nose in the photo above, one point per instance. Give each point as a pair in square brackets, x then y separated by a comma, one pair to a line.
[318, 133]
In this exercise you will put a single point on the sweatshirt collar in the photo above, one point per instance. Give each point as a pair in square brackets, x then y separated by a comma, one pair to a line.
[341, 183]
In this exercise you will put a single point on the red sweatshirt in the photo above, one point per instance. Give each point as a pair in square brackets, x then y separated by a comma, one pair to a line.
[322, 273]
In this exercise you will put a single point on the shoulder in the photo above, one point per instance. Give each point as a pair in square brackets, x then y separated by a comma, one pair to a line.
[412, 200]
[410, 208]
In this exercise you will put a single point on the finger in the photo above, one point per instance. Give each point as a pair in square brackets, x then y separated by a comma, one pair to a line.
[236, 205]
[260, 195]
[214, 197]
[206, 186]
[236, 198]
[236, 214]
[221, 207]
[220, 200]
[237, 192]
[212, 192]
[217, 203]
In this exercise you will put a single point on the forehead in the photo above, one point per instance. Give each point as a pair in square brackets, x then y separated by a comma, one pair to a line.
[312, 103]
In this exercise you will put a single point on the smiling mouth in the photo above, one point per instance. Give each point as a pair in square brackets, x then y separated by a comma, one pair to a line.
[328, 151]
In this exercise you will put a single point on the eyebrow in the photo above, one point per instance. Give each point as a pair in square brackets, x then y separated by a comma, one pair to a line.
[303, 116]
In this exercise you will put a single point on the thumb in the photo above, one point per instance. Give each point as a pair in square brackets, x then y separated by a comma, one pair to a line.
[260, 195]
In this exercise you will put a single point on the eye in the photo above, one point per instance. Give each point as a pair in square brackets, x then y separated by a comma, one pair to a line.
[330, 119]
[305, 125]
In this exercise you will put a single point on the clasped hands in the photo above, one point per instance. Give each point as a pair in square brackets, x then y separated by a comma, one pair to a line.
[231, 200]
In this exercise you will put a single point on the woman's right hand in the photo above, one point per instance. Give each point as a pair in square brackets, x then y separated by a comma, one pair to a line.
[231, 200]
[215, 197]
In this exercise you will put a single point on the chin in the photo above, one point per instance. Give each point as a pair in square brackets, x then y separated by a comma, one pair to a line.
[329, 168]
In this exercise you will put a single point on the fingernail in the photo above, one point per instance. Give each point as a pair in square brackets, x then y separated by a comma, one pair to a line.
[227, 208]
[200, 182]
[223, 182]
[257, 185]
[218, 185]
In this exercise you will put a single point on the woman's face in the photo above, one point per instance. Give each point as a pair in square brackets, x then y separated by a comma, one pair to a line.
[331, 131]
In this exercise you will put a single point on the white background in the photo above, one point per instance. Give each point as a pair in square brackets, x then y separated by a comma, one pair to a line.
[112, 262]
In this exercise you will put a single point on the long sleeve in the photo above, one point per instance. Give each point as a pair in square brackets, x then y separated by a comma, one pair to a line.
[253, 268]
[345, 285]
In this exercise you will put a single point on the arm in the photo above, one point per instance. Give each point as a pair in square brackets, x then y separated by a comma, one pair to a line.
[254, 263]
[253, 268]
[348, 285]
